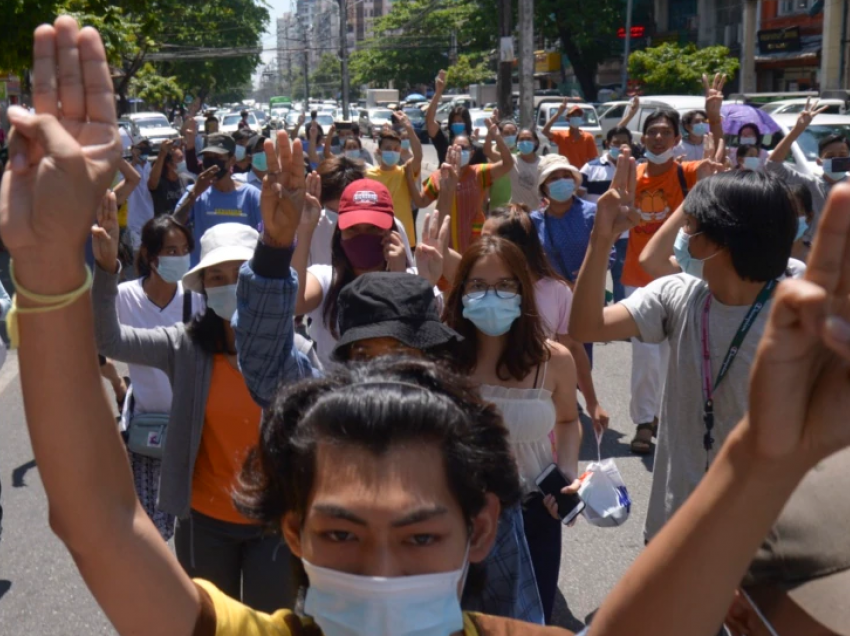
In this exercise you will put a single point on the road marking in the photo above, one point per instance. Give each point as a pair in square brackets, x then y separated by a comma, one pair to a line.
[9, 371]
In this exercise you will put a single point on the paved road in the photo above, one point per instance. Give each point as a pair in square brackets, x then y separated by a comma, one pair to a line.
[41, 592]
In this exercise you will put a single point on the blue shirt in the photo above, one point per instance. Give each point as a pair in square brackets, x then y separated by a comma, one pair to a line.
[565, 239]
[214, 207]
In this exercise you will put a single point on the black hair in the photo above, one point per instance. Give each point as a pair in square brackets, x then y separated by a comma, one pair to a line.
[534, 136]
[508, 122]
[617, 130]
[752, 127]
[343, 273]
[153, 236]
[803, 196]
[337, 173]
[669, 114]
[688, 117]
[208, 332]
[377, 406]
[242, 135]
[752, 215]
[742, 150]
[513, 223]
[463, 113]
[831, 139]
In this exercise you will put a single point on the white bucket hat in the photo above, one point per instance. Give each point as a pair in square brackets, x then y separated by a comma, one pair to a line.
[552, 163]
[220, 244]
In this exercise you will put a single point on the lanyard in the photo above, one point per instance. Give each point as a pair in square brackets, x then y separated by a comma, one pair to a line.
[555, 250]
[735, 346]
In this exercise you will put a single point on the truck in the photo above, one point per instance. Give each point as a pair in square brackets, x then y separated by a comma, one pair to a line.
[381, 97]
[482, 94]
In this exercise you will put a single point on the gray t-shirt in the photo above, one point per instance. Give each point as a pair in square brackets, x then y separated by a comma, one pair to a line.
[671, 308]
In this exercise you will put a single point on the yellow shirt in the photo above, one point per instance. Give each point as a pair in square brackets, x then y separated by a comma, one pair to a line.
[396, 183]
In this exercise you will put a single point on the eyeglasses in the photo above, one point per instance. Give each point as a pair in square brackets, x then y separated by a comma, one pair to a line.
[476, 288]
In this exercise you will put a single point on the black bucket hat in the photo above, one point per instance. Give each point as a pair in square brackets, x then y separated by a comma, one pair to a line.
[391, 305]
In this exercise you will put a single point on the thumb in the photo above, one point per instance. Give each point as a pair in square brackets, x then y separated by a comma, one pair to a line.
[47, 131]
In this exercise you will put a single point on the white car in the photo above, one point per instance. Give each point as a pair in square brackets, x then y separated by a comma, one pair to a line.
[547, 109]
[614, 111]
[229, 123]
[804, 152]
[796, 106]
[152, 126]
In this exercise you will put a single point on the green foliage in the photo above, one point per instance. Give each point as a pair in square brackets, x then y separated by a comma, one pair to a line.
[469, 69]
[154, 89]
[671, 69]
[326, 80]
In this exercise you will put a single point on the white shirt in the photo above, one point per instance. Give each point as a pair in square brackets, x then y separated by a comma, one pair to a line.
[140, 203]
[689, 151]
[320, 246]
[250, 178]
[524, 183]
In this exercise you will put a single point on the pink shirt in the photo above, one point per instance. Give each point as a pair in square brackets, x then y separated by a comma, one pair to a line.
[554, 300]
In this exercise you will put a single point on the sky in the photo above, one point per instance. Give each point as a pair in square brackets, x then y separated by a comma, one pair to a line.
[276, 9]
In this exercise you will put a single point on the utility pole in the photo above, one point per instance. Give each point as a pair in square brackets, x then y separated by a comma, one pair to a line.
[343, 55]
[306, 66]
[506, 68]
[526, 63]
[626, 46]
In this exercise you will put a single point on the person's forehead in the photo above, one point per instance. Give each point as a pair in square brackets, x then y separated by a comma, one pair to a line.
[836, 148]
[561, 173]
[490, 266]
[225, 267]
[174, 237]
[402, 477]
[621, 139]
[661, 123]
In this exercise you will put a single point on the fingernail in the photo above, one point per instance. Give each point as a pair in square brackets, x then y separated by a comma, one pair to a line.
[838, 328]
[19, 162]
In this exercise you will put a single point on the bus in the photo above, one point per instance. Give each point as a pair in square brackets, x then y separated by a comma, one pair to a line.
[278, 103]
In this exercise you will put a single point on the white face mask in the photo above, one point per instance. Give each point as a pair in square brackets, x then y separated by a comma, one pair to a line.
[664, 157]
[353, 605]
[222, 300]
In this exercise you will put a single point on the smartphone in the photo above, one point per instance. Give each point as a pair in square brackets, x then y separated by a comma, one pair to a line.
[550, 482]
[343, 125]
[841, 164]
[313, 114]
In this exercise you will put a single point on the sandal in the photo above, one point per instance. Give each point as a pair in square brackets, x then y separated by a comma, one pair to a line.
[641, 444]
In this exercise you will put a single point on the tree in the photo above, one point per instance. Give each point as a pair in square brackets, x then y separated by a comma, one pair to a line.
[471, 68]
[326, 80]
[154, 89]
[671, 69]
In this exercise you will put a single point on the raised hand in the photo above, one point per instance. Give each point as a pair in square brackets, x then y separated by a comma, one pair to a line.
[433, 246]
[634, 105]
[394, 252]
[492, 127]
[401, 117]
[804, 119]
[562, 107]
[165, 147]
[62, 160]
[615, 210]
[105, 234]
[284, 190]
[312, 201]
[440, 82]
[205, 180]
[713, 96]
[799, 385]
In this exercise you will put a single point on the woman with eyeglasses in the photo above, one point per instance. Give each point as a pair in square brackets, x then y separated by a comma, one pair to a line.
[531, 379]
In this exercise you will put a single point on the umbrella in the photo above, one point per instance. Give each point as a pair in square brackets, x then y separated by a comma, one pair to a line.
[737, 115]
[416, 97]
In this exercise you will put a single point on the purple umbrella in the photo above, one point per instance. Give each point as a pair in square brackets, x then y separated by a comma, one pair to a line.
[737, 115]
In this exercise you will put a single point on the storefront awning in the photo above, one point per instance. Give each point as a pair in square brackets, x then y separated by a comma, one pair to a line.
[810, 46]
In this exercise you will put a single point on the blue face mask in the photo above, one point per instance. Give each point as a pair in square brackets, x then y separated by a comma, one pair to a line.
[827, 170]
[614, 153]
[575, 122]
[172, 269]
[802, 226]
[352, 154]
[222, 300]
[181, 167]
[525, 146]
[700, 129]
[336, 148]
[682, 252]
[491, 314]
[143, 157]
[405, 144]
[240, 153]
[510, 140]
[345, 604]
[259, 162]
[458, 128]
[390, 157]
[752, 163]
[464, 157]
[561, 189]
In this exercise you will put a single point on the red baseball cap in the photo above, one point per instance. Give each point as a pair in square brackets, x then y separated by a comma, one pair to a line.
[366, 201]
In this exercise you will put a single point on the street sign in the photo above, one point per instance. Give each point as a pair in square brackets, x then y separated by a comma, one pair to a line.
[779, 40]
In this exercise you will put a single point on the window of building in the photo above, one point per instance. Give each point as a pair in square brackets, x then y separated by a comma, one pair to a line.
[790, 7]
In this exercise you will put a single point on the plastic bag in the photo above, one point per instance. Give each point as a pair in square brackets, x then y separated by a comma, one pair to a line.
[606, 498]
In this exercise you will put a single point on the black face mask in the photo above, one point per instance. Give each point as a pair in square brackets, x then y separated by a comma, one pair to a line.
[210, 161]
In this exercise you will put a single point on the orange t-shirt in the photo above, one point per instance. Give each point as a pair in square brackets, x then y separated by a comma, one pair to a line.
[231, 429]
[578, 149]
[656, 199]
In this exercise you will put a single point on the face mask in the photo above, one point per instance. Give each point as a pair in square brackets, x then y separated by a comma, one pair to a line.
[827, 170]
[352, 154]
[664, 157]
[561, 189]
[464, 157]
[525, 146]
[222, 300]
[575, 122]
[510, 140]
[209, 162]
[458, 128]
[747, 141]
[682, 252]
[390, 157]
[336, 148]
[751, 163]
[364, 251]
[240, 153]
[405, 144]
[700, 129]
[802, 226]
[259, 162]
[181, 167]
[353, 605]
[491, 314]
[171, 269]
[614, 153]
[144, 157]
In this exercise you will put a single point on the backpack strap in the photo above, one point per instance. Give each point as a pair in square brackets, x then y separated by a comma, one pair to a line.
[682, 181]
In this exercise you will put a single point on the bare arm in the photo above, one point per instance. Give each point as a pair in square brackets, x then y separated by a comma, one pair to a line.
[657, 257]
[326, 151]
[804, 120]
[506, 163]
[431, 115]
[567, 424]
[130, 182]
[156, 170]
[548, 127]
[713, 104]
[631, 111]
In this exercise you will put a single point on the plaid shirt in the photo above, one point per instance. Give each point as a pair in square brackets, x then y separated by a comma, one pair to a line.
[265, 334]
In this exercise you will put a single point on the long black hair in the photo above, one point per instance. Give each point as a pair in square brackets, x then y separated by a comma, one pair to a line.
[153, 237]
[343, 273]
[207, 330]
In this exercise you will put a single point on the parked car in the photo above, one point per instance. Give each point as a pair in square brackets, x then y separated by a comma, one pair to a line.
[153, 126]
[547, 109]
[230, 123]
[796, 106]
[804, 152]
[417, 118]
[371, 120]
[648, 105]
[131, 135]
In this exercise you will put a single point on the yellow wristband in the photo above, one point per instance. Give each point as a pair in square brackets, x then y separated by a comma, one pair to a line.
[49, 303]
